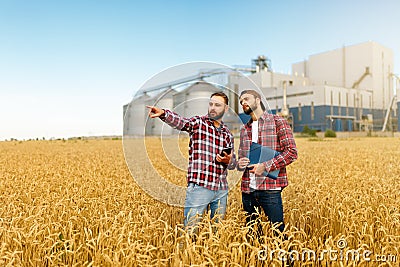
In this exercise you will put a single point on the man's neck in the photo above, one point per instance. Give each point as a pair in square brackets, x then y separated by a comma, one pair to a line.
[256, 114]
[217, 123]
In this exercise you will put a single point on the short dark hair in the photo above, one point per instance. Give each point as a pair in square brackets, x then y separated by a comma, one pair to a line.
[255, 94]
[221, 94]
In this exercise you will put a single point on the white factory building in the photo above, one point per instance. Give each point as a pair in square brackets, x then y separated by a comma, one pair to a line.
[351, 88]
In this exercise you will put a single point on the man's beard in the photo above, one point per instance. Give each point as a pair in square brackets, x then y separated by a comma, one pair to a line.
[250, 109]
[216, 116]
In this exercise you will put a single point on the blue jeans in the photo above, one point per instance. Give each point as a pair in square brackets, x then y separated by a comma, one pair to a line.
[197, 200]
[270, 201]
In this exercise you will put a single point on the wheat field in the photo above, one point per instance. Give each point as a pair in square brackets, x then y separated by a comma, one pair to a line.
[75, 203]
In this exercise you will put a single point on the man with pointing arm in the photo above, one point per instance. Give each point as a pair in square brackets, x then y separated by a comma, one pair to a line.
[208, 164]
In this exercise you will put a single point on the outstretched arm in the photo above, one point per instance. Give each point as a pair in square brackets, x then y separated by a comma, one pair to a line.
[172, 119]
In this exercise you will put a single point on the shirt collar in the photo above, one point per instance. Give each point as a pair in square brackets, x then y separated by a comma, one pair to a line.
[221, 124]
[264, 117]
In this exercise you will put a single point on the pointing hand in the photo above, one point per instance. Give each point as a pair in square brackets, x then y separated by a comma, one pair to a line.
[155, 112]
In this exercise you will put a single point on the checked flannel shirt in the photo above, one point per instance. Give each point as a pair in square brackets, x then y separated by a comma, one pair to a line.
[206, 141]
[273, 132]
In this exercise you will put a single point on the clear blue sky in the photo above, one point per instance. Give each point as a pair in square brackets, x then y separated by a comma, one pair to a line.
[68, 66]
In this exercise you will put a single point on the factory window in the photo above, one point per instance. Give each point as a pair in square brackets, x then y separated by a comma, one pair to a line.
[340, 103]
[331, 102]
[312, 110]
[347, 104]
[299, 109]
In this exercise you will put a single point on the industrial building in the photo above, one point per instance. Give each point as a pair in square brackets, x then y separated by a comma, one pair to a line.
[351, 88]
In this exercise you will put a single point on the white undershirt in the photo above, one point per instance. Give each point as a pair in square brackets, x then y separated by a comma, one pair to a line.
[254, 138]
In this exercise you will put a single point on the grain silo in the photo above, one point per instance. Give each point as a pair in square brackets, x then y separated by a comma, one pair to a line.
[163, 99]
[193, 100]
[135, 116]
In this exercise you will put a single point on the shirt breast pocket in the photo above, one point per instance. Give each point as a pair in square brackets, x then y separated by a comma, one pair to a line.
[268, 130]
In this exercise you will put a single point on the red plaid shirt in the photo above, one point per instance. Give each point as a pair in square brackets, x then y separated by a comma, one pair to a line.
[273, 132]
[206, 141]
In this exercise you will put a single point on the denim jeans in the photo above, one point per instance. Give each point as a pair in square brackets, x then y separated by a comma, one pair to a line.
[197, 200]
[270, 201]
